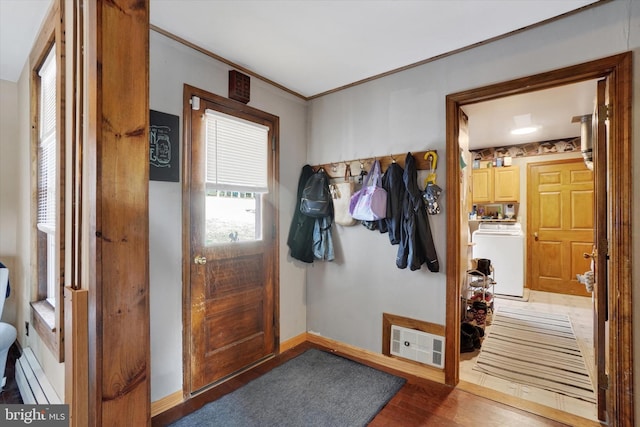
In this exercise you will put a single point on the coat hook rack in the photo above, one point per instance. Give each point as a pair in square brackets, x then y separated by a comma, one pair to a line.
[425, 160]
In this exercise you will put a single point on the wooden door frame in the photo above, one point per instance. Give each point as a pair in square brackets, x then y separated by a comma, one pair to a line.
[237, 106]
[618, 69]
[528, 235]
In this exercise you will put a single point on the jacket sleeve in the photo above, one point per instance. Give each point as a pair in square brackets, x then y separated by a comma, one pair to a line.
[416, 245]
[395, 196]
[300, 239]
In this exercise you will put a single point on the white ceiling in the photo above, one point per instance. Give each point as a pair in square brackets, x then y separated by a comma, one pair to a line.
[314, 46]
[491, 122]
[20, 21]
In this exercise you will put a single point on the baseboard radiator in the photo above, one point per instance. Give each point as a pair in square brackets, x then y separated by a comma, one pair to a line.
[33, 384]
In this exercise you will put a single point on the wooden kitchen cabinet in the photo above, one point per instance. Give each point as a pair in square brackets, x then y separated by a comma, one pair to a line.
[496, 185]
[506, 184]
[482, 185]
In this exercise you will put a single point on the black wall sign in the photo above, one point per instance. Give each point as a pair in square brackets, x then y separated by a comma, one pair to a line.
[164, 147]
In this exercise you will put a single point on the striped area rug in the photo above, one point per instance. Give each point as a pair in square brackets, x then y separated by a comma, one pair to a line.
[536, 349]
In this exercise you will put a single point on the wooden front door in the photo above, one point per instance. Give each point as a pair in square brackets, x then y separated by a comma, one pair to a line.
[233, 240]
[561, 222]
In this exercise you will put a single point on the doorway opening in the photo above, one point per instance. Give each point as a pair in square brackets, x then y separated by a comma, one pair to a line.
[555, 311]
[614, 250]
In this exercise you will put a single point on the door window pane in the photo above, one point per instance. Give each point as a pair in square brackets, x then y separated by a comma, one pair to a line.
[232, 216]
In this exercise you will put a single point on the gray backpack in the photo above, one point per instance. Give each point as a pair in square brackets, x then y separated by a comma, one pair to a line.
[316, 200]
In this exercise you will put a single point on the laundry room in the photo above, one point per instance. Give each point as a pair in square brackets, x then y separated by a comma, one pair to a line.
[529, 215]
[529, 181]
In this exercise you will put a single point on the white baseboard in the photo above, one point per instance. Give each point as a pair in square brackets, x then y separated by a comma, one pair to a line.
[33, 384]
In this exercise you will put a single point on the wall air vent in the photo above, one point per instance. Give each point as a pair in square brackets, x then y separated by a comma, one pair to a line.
[239, 86]
[417, 346]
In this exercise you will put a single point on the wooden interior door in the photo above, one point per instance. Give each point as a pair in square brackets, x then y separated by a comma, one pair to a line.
[561, 224]
[231, 301]
[600, 251]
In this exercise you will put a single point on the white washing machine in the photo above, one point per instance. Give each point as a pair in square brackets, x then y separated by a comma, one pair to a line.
[503, 244]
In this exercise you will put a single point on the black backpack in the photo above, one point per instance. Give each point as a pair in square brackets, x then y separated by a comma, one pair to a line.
[316, 198]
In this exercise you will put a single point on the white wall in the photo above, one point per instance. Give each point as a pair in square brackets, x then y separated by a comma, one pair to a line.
[406, 111]
[15, 219]
[9, 196]
[172, 65]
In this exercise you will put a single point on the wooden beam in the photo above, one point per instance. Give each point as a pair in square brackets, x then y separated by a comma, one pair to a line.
[116, 212]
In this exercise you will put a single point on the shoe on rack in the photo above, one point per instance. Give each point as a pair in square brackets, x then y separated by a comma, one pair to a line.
[480, 310]
[468, 337]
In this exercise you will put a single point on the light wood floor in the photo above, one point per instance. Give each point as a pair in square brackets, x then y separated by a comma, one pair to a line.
[580, 310]
[419, 403]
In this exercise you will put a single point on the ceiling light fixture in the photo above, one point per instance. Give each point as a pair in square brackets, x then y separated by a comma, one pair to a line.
[524, 125]
[524, 130]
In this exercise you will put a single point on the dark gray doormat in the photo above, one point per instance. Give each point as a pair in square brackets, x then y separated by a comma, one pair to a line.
[315, 388]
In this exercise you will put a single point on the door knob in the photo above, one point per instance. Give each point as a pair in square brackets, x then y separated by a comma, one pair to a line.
[535, 236]
[199, 259]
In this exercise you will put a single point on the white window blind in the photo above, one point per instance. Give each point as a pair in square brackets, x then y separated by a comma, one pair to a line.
[47, 145]
[237, 154]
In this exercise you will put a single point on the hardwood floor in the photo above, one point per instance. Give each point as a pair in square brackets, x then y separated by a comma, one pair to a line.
[419, 403]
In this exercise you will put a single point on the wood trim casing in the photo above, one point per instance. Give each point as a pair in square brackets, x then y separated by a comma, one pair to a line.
[621, 392]
[186, 242]
[76, 377]
[52, 32]
[166, 403]
[618, 69]
[292, 342]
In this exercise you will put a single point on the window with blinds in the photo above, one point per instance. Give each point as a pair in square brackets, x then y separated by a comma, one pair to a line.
[47, 145]
[47, 168]
[236, 178]
[236, 154]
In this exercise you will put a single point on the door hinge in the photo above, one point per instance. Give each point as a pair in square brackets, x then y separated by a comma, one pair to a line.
[605, 112]
[195, 103]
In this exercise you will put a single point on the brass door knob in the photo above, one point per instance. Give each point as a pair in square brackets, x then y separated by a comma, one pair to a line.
[199, 259]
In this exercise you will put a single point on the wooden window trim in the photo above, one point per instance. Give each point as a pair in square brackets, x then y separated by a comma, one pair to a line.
[48, 320]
